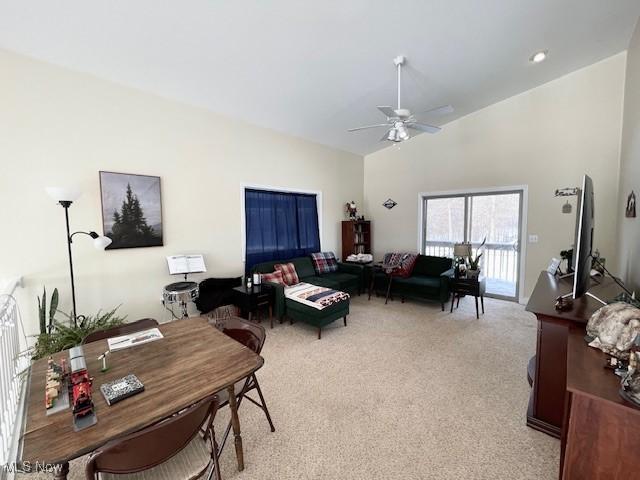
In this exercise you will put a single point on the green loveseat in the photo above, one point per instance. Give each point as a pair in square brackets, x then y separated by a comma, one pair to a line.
[348, 278]
[429, 280]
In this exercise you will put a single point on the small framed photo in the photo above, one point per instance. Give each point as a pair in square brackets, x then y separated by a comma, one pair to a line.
[131, 210]
[554, 265]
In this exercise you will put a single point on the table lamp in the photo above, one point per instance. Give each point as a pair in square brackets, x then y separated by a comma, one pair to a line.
[461, 251]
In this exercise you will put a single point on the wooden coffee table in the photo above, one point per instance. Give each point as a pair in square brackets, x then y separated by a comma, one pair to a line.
[192, 361]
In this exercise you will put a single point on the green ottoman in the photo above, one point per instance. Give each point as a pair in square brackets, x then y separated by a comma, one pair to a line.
[300, 312]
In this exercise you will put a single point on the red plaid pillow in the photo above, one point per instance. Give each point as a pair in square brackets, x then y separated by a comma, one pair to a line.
[273, 277]
[289, 274]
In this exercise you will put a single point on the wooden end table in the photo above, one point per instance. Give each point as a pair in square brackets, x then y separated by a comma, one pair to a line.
[462, 286]
[367, 268]
[253, 300]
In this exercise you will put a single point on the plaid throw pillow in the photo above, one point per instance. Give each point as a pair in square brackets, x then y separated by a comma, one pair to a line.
[289, 274]
[273, 277]
[324, 262]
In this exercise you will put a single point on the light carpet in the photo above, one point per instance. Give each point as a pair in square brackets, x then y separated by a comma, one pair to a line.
[405, 391]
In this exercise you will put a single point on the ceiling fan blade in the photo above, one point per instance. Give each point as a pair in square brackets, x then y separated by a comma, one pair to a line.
[422, 127]
[368, 126]
[385, 137]
[443, 110]
[388, 111]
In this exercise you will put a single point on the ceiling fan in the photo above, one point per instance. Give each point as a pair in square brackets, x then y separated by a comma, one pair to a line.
[399, 120]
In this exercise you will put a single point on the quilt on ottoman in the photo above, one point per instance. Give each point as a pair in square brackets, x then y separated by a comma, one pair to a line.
[314, 296]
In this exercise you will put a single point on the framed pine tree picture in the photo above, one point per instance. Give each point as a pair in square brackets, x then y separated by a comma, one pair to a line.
[131, 210]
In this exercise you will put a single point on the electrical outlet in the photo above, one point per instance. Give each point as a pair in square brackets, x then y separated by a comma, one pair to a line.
[533, 238]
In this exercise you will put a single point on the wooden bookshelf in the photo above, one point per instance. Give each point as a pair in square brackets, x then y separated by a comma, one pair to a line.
[356, 237]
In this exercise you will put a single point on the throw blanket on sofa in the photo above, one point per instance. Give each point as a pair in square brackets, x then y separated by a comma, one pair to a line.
[399, 264]
[314, 296]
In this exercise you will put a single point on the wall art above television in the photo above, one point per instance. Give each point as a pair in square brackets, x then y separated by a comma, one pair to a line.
[131, 210]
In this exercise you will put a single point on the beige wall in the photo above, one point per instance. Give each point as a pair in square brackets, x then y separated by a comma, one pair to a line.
[59, 127]
[545, 138]
[629, 228]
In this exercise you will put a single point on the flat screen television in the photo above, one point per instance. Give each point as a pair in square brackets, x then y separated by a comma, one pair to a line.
[584, 239]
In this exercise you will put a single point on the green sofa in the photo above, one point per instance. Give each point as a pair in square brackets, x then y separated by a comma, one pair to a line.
[349, 278]
[429, 280]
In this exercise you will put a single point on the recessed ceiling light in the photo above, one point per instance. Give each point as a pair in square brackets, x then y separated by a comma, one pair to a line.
[539, 56]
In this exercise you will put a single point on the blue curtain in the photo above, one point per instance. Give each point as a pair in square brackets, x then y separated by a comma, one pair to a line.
[279, 226]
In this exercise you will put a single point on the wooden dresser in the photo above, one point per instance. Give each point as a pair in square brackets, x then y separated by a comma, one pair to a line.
[547, 370]
[601, 433]
[573, 396]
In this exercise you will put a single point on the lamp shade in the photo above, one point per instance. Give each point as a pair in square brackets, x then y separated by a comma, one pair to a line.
[101, 242]
[462, 250]
[63, 194]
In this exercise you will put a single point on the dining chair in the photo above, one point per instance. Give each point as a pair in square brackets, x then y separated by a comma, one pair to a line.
[171, 449]
[252, 336]
[123, 329]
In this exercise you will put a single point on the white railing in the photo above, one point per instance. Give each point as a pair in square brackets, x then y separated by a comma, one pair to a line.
[499, 260]
[13, 367]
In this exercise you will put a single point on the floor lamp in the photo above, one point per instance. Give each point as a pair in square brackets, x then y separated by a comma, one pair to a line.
[65, 197]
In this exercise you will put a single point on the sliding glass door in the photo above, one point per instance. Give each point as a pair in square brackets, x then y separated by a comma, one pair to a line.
[472, 217]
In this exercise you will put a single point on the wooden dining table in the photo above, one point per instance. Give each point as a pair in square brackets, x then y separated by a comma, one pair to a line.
[192, 361]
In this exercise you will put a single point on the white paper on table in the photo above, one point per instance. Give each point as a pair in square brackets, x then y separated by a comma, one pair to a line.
[133, 339]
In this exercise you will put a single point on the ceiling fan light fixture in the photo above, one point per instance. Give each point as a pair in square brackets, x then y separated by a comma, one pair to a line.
[539, 57]
[402, 133]
[393, 135]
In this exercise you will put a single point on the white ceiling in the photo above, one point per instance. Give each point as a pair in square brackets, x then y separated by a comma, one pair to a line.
[315, 68]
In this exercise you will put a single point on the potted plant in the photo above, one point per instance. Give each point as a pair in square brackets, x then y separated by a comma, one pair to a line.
[56, 336]
[474, 262]
[46, 326]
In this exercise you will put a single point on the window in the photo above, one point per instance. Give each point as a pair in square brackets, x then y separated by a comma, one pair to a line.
[279, 225]
[472, 217]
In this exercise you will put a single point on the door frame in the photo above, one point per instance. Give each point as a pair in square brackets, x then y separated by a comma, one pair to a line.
[524, 208]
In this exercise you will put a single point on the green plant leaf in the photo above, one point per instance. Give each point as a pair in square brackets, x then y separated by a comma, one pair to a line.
[43, 312]
[41, 317]
[53, 308]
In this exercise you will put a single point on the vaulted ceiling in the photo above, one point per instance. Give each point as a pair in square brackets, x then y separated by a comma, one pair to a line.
[313, 69]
